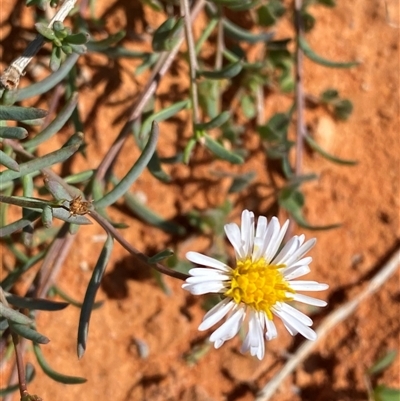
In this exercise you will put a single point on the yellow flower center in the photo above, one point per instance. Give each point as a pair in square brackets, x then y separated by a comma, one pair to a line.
[258, 285]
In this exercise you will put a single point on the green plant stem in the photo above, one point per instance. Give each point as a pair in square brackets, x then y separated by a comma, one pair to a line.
[185, 12]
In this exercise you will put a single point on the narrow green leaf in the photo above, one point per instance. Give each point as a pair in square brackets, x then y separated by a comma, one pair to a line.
[230, 71]
[28, 333]
[35, 303]
[383, 363]
[218, 150]
[47, 216]
[80, 177]
[62, 117]
[104, 44]
[18, 225]
[140, 210]
[383, 393]
[48, 160]
[13, 315]
[58, 377]
[8, 162]
[160, 256]
[79, 38]
[13, 132]
[45, 31]
[292, 200]
[314, 145]
[329, 95]
[188, 150]
[162, 115]
[90, 295]
[240, 182]
[119, 190]
[56, 57]
[50, 82]
[166, 35]
[17, 113]
[14, 275]
[320, 60]
[343, 109]
[236, 32]
[216, 122]
[156, 170]
[56, 290]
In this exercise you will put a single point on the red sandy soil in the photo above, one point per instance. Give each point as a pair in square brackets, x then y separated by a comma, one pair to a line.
[364, 198]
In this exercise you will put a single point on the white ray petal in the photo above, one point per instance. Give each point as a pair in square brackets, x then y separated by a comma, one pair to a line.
[204, 260]
[232, 232]
[300, 316]
[206, 271]
[247, 231]
[291, 322]
[300, 285]
[271, 330]
[204, 287]
[270, 239]
[230, 327]
[254, 341]
[305, 299]
[278, 240]
[205, 279]
[293, 272]
[217, 313]
[288, 250]
[300, 252]
[262, 223]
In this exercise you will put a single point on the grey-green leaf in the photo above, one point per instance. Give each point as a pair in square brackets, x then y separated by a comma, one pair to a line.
[230, 71]
[18, 113]
[383, 393]
[13, 315]
[236, 32]
[35, 303]
[216, 122]
[58, 377]
[314, 145]
[320, 60]
[28, 333]
[383, 363]
[48, 160]
[50, 82]
[13, 132]
[223, 153]
[61, 118]
[160, 256]
[90, 295]
[119, 190]
[8, 161]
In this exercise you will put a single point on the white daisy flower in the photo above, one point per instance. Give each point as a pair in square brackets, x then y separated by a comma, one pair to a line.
[259, 287]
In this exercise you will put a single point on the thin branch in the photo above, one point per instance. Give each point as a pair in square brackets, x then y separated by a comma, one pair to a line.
[140, 258]
[300, 129]
[185, 12]
[160, 69]
[330, 322]
[18, 354]
[299, 99]
[11, 76]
